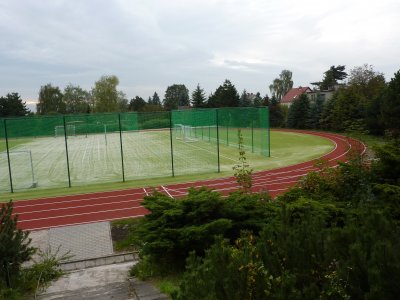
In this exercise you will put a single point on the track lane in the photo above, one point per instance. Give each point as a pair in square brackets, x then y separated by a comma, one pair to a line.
[50, 212]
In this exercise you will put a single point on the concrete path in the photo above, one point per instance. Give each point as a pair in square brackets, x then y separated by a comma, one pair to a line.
[100, 283]
[85, 243]
[82, 241]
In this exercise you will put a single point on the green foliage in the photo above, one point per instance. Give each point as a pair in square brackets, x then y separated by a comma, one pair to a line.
[315, 114]
[276, 113]
[387, 166]
[280, 86]
[331, 77]
[298, 115]
[198, 97]
[174, 228]
[244, 100]
[50, 100]
[176, 95]
[226, 95]
[242, 171]
[14, 246]
[137, 104]
[105, 94]
[227, 272]
[76, 100]
[390, 107]
[12, 106]
[44, 270]
[155, 100]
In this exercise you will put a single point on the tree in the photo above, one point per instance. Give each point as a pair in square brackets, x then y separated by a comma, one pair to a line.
[155, 100]
[276, 114]
[198, 97]
[298, 115]
[14, 246]
[122, 102]
[137, 104]
[390, 108]
[226, 95]
[105, 94]
[331, 78]
[176, 95]
[280, 86]
[76, 100]
[50, 100]
[316, 109]
[12, 106]
[244, 100]
[258, 101]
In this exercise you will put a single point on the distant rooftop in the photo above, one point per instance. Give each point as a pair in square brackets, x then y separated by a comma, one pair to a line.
[294, 93]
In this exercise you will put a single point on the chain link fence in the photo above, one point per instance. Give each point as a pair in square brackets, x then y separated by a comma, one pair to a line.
[72, 150]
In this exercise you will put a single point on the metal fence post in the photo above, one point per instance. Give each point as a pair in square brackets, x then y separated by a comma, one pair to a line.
[8, 156]
[217, 117]
[122, 151]
[66, 151]
[252, 136]
[172, 150]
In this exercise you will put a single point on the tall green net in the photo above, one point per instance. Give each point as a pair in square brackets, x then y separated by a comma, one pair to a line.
[72, 150]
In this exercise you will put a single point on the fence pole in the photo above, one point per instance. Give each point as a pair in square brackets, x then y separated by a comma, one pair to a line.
[8, 156]
[172, 150]
[122, 151]
[269, 133]
[66, 151]
[227, 135]
[219, 168]
[252, 136]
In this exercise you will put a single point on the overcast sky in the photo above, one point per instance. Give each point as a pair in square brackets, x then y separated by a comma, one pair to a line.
[150, 44]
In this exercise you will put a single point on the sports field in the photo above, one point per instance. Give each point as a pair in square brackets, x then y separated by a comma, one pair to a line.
[96, 158]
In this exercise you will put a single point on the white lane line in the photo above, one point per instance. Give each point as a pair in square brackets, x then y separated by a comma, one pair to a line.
[73, 207]
[81, 223]
[81, 214]
[76, 200]
[165, 190]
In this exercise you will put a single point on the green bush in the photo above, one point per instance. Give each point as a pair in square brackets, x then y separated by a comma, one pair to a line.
[174, 228]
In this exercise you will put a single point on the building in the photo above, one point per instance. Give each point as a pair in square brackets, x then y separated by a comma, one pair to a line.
[295, 93]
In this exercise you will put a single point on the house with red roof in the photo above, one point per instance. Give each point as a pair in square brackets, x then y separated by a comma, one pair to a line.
[294, 94]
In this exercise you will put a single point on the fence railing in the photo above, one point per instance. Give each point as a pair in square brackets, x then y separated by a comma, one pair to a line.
[71, 150]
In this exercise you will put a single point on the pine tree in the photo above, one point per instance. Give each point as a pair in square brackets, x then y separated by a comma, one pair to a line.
[14, 246]
[244, 100]
[155, 100]
[198, 97]
[226, 95]
[299, 111]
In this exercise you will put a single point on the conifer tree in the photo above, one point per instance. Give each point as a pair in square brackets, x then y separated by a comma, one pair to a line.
[14, 246]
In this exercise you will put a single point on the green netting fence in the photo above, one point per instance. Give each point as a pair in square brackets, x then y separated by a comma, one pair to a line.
[72, 150]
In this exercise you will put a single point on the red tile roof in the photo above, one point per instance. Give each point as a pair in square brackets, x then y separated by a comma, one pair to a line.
[294, 93]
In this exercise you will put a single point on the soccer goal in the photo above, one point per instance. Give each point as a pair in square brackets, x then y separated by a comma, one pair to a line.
[22, 167]
[185, 133]
[59, 131]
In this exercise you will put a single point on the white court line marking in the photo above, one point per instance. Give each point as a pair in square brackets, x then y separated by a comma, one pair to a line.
[212, 152]
[165, 190]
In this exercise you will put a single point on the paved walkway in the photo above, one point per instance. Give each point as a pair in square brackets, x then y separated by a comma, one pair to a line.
[98, 283]
[90, 241]
[81, 241]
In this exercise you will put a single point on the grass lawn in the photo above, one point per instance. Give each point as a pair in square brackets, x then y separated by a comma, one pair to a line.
[96, 166]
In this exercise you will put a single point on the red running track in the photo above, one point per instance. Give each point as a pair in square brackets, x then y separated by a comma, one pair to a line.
[51, 212]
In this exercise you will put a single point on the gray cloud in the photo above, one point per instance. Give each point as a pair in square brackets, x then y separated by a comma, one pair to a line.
[152, 44]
